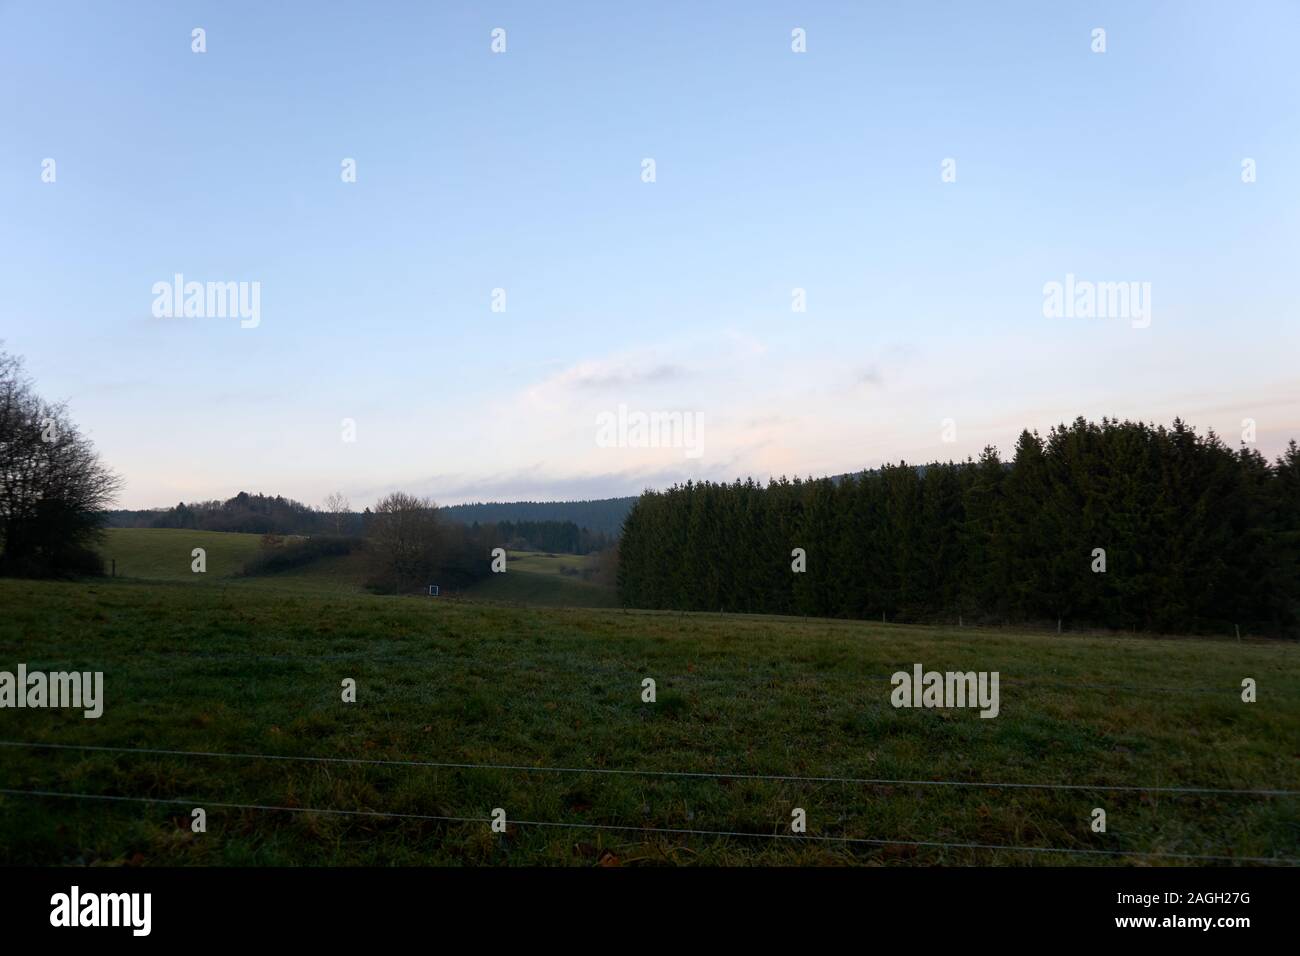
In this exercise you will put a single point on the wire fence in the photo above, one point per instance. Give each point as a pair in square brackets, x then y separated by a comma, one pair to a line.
[665, 831]
[721, 775]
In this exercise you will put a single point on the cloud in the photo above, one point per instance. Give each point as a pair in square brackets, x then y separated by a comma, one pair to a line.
[625, 377]
[869, 376]
[622, 373]
[534, 483]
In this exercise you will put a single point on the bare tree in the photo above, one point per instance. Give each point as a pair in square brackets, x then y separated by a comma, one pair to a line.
[53, 488]
[405, 536]
[339, 507]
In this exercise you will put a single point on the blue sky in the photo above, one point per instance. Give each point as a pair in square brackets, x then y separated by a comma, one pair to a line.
[775, 170]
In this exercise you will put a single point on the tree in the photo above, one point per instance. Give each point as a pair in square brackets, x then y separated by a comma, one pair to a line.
[338, 507]
[53, 488]
[404, 532]
[984, 585]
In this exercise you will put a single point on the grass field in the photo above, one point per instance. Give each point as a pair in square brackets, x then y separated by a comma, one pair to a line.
[255, 668]
[539, 580]
[164, 554]
[158, 554]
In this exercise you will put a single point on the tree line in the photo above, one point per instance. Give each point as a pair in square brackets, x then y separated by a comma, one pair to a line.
[563, 536]
[245, 513]
[600, 516]
[1112, 524]
[277, 515]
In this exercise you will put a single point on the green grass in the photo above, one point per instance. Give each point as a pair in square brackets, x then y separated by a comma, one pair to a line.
[164, 554]
[247, 668]
[338, 575]
[539, 580]
[538, 562]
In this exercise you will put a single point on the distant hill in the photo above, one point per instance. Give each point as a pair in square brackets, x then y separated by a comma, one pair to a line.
[249, 514]
[602, 515]
[259, 514]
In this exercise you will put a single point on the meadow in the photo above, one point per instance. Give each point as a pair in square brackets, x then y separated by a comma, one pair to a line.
[165, 554]
[466, 705]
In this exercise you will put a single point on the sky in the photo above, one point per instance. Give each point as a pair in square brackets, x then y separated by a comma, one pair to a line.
[923, 172]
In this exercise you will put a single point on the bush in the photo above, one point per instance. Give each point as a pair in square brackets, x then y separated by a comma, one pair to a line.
[296, 553]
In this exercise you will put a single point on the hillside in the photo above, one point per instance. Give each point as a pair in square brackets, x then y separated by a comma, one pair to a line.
[258, 514]
[165, 554]
[546, 580]
[604, 515]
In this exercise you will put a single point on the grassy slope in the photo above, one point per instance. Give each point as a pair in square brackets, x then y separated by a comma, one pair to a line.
[537, 579]
[163, 554]
[255, 670]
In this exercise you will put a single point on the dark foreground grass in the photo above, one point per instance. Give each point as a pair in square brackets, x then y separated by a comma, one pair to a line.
[241, 669]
